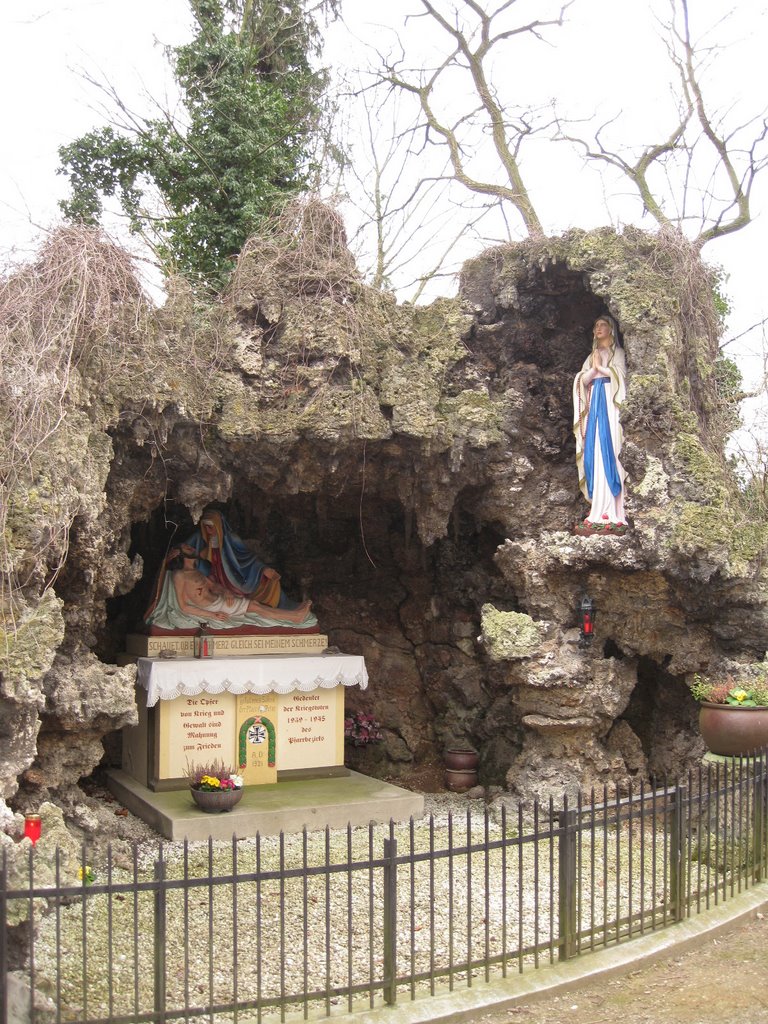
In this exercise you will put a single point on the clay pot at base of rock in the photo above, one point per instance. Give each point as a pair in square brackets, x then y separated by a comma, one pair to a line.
[733, 731]
[216, 802]
[460, 759]
[460, 779]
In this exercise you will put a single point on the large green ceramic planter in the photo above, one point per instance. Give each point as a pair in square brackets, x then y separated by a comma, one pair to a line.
[733, 731]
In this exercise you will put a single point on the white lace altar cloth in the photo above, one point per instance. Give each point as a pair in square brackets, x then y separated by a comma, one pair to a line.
[268, 673]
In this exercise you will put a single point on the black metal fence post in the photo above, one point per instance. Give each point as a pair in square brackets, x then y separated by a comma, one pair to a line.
[759, 824]
[160, 935]
[676, 851]
[390, 921]
[567, 925]
[601, 897]
[4, 939]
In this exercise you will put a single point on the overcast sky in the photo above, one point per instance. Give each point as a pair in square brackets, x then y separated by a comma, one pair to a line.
[607, 60]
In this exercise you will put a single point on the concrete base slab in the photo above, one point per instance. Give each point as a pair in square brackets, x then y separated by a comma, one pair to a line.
[287, 806]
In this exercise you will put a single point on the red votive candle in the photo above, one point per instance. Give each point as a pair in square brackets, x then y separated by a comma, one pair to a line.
[33, 826]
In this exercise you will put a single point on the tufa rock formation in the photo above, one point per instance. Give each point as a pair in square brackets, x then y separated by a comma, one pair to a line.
[411, 469]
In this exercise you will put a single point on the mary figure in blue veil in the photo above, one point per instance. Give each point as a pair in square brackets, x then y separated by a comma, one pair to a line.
[599, 391]
[231, 563]
[214, 577]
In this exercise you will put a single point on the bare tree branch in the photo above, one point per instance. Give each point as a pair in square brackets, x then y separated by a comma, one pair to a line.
[472, 41]
[700, 155]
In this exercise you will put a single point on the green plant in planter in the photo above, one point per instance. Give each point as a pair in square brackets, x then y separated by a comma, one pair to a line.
[733, 718]
[753, 694]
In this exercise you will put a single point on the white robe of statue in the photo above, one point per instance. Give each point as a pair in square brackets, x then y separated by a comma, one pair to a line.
[605, 506]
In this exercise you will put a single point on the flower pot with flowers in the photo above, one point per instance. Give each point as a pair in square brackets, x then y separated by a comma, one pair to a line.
[214, 787]
[733, 717]
[361, 728]
[362, 733]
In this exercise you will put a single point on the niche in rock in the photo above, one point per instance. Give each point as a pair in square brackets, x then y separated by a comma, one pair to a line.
[528, 342]
[544, 322]
[412, 610]
[663, 714]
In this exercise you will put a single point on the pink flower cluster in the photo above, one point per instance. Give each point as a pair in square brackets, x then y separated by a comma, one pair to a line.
[361, 728]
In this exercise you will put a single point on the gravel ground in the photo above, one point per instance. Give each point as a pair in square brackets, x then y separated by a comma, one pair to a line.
[294, 950]
[449, 909]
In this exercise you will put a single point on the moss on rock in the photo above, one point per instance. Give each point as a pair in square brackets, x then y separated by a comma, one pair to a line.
[720, 533]
[509, 635]
[705, 469]
[28, 643]
[474, 416]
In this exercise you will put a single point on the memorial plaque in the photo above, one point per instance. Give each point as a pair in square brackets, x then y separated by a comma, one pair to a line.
[257, 731]
[271, 732]
[196, 730]
[311, 729]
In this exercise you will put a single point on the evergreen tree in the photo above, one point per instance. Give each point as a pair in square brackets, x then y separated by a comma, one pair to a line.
[254, 115]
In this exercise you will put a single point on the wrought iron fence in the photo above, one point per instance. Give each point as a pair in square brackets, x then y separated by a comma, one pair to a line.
[326, 921]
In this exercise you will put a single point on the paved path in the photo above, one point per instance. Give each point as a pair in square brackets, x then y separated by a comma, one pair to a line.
[724, 981]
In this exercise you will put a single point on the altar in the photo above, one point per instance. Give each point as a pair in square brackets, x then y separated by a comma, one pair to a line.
[266, 716]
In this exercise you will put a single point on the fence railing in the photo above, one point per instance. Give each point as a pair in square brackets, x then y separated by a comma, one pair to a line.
[334, 921]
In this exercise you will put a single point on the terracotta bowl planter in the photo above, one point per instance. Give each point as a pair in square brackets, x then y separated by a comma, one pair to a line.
[215, 802]
[733, 731]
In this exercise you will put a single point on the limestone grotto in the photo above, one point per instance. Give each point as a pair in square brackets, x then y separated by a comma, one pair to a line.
[409, 468]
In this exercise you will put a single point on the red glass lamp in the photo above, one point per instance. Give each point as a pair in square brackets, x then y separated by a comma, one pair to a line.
[586, 620]
[33, 827]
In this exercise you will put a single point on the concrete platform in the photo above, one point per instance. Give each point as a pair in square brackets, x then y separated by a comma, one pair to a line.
[286, 806]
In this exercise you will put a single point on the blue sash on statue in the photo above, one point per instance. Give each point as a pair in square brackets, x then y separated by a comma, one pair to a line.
[597, 421]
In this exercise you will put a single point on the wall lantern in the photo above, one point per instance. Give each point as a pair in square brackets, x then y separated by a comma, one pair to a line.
[33, 826]
[586, 620]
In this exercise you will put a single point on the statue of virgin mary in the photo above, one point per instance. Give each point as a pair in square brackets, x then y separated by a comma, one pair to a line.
[599, 390]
